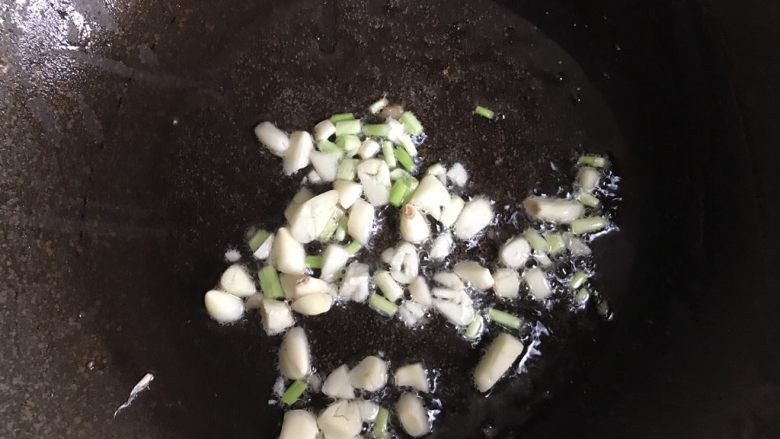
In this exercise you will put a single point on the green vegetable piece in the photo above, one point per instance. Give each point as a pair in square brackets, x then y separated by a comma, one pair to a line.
[555, 243]
[331, 226]
[582, 296]
[388, 154]
[588, 225]
[404, 159]
[314, 262]
[536, 241]
[328, 146]
[258, 239]
[381, 305]
[269, 282]
[475, 327]
[348, 142]
[398, 193]
[588, 200]
[353, 247]
[505, 319]
[339, 117]
[347, 169]
[348, 127]
[294, 392]
[596, 161]
[380, 424]
[376, 130]
[579, 278]
[484, 112]
[411, 124]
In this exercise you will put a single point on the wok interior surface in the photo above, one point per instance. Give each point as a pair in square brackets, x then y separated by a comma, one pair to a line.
[129, 166]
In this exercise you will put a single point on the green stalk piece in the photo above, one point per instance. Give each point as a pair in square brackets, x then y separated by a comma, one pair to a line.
[339, 117]
[376, 130]
[348, 142]
[380, 424]
[314, 262]
[294, 392]
[588, 200]
[348, 127]
[536, 241]
[412, 125]
[582, 296]
[555, 243]
[258, 239]
[404, 159]
[388, 154]
[579, 278]
[588, 225]
[382, 305]
[596, 161]
[475, 327]
[328, 146]
[269, 283]
[505, 319]
[353, 247]
[484, 112]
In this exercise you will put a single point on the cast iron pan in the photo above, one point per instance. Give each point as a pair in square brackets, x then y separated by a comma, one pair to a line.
[130, 167]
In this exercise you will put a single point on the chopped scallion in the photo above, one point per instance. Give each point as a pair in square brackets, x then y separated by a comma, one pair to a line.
[412, 183]
[377, 106]
[581, 296]
[411, 124]
[475, 327]
[328, 146]
[484, 112]
[578, 280]
[331, 226]
[269, 282]
[294, 392]
[347, 169]
[348, 142]
[588, 225]
[376, 130]
[258, 239]
[504, 318]
[347, 127]
[404, 159]
[387, 153]
[555, 243]
[353, 247]
[592, 160]
[398, 173]
[588, 200]
[536, 240]
[408, 145]
[314, 262]
[398, 193]
[382, 305]
[338, 117]
[380, 424]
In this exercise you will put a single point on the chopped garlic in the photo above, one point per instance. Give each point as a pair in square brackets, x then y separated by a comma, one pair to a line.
[370, 374]
[294, 356]
[412, 375]
[223, 307]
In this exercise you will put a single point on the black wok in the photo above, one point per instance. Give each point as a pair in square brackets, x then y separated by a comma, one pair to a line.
[128, 166]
